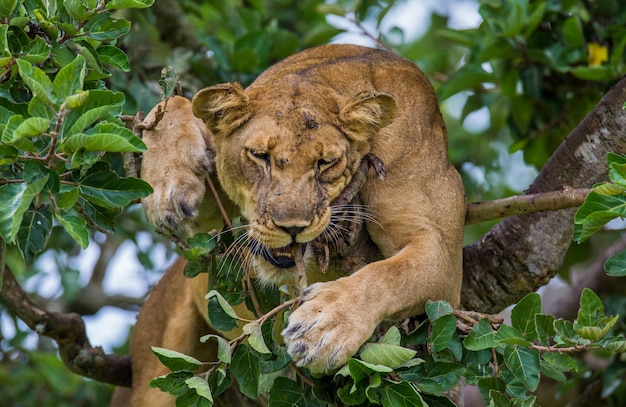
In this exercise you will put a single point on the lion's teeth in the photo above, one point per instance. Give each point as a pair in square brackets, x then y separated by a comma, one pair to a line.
[287, 251]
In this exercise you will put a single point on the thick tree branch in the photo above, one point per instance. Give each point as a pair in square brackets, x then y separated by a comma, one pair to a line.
[524, 204]
[522, 253]
[68, 330]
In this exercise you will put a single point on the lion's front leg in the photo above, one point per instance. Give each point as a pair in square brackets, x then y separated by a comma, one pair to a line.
[337, 317]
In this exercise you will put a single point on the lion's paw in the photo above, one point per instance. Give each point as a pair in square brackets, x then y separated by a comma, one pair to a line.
[328, 328]
[175, 200]
[177, 164]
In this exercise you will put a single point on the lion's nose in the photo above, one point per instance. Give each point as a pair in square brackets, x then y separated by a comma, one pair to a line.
[293, 230]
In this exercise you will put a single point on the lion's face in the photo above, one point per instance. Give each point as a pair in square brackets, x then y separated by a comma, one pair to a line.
[284, 163]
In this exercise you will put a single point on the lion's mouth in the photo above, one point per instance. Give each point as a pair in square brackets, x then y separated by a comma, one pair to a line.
[283, 257]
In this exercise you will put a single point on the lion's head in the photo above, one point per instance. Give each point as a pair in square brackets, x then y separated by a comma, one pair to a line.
[285, 149]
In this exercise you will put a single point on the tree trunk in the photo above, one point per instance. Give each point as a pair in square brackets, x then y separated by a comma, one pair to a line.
[522, 253]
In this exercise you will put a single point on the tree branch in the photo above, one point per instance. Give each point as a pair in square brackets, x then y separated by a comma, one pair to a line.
[522, 253]
[524, 204]
[68, 330]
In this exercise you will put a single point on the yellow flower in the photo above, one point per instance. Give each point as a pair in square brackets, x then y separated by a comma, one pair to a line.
[597, 54]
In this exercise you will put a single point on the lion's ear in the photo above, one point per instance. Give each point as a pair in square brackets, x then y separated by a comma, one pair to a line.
[367, 113]
[223, 107]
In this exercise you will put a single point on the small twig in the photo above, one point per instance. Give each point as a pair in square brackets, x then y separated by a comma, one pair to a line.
[473, 317]
[298, 372]
[173, 237]
[255, 301]
[218, 202]
[369, 35]
[496, 368]
[299, 258]
[128, 159]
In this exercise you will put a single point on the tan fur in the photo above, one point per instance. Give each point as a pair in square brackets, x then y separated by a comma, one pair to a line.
[285, 148]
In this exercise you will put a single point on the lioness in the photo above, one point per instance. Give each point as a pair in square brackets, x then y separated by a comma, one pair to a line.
[285, 148]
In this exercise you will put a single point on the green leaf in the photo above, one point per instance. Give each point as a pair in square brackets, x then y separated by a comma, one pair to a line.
[223, 347]
[67, 198]
[437, 377]
[81, 9]
[359, 369]
[121, 4]
[287, 393]
[245, 366]
[597, 332]
[565, 330]
[555, 364]
[36, 80]
[573, 32]
[468, 77]
[176, 361]
[524, 364]
[523, 316]
[443, 330]
[69, 80]
[18, 129]
[34, 232]
[8, 154]
[16, 199]
[401, 394]
[595, 212]
[201, 387]
[615, 266]
[480, 337]
[37, 51]
[105, 27]
[545, 327]
[508, 334]
[255, 338]
[466, 38]
[75, 227]
[392, 336]
[75, 101]
[105, 188]
[173, 383]
[221, 314]
[7, 7]
[385, 354]
[617, 345]
[498, 399]
[114, 56]
[101, 105]
[591, 308]
[103, 217]
[108, 137]
[437, 309]
[487, 384]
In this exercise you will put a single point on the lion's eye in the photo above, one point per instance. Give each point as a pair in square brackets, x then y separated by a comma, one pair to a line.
[260, 156]
[326, 163]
